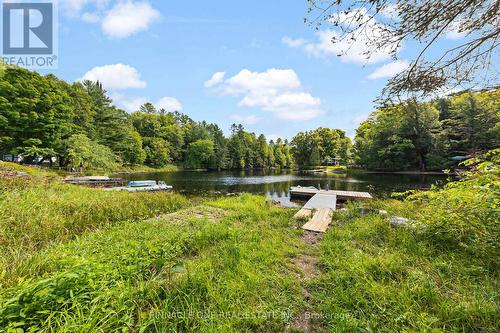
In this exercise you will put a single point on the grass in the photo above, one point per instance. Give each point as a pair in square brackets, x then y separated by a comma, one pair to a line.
[440, 274]
[145, 168]
[6, 167]
[336, 168]
[83, 260]
[379, 279]
[229, 270]
[37, 212]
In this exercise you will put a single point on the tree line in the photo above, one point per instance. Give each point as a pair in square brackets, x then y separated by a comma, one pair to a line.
[43, 118]
[427, 135]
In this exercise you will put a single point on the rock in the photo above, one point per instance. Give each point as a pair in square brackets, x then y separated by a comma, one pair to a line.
[382, 212]
[366, 211]
[398, 221]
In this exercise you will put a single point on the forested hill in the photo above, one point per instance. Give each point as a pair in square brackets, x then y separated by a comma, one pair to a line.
[427, 135]
[42, 117]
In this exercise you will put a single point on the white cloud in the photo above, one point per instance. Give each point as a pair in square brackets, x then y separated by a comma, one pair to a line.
[245, 120]
[169, 104]
[263, 83]
[216, 79]
[124, 19]
[352, 48]
[116, 77]
[349, 51]
[389, 70]
[455, 32]
[128, 18]
[278, 91]
[293, 42]
[128, 104]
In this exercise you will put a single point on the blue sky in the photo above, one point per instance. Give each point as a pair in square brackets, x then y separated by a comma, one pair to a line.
[276, 75]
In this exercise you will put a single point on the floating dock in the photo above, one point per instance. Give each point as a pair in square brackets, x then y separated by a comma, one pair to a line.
[299, 191]
[95, 181]
[322, 203]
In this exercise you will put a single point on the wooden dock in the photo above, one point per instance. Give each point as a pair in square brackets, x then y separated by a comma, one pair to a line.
[322, 203]
[323, 206]
[320, 221]
[299, 191]
[94, 181]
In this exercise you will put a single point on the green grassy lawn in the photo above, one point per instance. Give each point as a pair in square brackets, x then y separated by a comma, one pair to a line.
[85, 260]
[224, 266]
[379, 279]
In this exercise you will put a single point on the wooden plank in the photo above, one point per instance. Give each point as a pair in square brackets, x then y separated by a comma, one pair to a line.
[320, 221]
[340, 194]
[320, 200]
[307, 213]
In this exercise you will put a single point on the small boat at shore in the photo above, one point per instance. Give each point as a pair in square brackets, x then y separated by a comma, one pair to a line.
[144, 186]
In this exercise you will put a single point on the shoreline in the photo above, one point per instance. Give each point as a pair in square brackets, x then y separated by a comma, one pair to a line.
[415, 173]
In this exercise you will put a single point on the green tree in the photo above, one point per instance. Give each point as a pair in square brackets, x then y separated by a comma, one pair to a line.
[472, 121]
[112, 127]
[131, 148]
[81, 153]
[199, 153]
[157, 152]
[321, 146]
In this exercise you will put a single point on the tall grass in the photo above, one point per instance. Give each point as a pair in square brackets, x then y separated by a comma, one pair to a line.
[231, 273]
[38, 212]
[439, 274]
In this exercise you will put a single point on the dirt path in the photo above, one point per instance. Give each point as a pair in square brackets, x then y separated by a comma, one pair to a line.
[307, 264]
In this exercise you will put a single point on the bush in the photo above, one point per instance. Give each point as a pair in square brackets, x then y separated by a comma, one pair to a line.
[464, 215]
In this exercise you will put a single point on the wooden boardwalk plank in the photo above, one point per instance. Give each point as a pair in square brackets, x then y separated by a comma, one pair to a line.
[320, 221]
[303, 213]
[320, 200]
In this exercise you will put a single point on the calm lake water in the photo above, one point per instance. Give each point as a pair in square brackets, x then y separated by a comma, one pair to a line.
[276, 184]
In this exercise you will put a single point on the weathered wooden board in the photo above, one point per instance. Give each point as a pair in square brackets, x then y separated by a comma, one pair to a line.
[320, 221]
[320, 200]
[303, 213]
[308, 191]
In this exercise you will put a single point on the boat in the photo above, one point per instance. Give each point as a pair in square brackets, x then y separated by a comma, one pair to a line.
[144, 186]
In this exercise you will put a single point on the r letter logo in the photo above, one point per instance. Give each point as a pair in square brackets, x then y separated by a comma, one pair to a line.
[28, 33]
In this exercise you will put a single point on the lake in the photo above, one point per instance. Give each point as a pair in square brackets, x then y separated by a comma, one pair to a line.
[276, 184]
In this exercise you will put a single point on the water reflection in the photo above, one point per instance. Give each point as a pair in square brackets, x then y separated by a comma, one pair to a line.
[276, 184]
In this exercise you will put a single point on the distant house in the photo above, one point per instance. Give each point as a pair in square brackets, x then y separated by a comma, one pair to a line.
[12, 158]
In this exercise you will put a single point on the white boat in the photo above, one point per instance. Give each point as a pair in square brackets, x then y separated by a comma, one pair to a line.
[144, 186]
